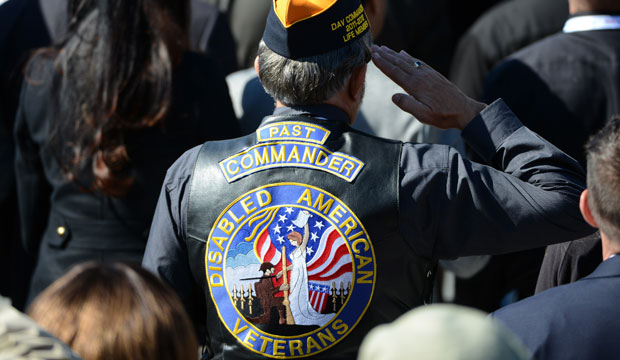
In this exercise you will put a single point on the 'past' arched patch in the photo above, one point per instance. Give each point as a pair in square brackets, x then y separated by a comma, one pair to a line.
[290, 268]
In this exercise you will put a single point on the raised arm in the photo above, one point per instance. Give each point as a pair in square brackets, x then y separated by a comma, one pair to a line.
[304, 242]
[525, 195]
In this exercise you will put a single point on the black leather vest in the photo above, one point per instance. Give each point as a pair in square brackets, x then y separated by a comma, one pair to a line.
[337, 189]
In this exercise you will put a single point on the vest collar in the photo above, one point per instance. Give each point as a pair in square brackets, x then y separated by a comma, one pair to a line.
[321, 112]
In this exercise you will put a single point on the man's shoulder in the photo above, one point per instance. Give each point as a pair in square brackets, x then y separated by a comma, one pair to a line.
[556, 58]
[569, 320]
[578, 298]
[497, 25]
[541, 303]
[528, 65]
[562, 47]
[183, 167]
[544, 315]
[545, 50]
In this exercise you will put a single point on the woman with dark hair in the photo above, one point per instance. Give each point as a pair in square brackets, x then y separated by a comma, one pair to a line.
[101, 118]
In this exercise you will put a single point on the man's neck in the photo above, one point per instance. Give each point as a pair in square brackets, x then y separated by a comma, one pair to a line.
[351, 111]
[610, 247]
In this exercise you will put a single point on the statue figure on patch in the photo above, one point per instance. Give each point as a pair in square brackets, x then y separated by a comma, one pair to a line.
[301, 308]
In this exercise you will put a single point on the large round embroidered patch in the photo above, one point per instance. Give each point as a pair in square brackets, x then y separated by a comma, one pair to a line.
[290, 268]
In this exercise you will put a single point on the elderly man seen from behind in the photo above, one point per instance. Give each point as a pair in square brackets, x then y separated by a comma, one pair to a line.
[377, 214]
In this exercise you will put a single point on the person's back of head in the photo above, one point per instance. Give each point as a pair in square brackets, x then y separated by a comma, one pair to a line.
[306, 56]
[603, 178]
[116, 311]
[442, 332]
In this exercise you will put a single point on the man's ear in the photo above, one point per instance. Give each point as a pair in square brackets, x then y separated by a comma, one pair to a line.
[370, 8]
[256, 67]
[585, 209]
[356, 82]
[376, 13]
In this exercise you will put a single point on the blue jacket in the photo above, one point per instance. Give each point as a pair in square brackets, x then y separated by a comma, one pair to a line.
[573, 321]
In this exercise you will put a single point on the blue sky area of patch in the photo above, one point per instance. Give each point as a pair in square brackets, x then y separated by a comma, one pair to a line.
[242, 259]
[242, 248]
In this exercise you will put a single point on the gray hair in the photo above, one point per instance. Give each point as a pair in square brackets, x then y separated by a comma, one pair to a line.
[310, 80]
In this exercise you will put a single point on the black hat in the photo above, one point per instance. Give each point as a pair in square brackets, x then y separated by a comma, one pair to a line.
[301, 28]
[265, 266]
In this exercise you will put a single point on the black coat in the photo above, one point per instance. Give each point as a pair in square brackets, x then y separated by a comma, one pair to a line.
[564, 87]
[69, 225]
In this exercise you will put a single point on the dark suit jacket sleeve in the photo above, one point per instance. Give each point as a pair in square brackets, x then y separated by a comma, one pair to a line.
[33, 190]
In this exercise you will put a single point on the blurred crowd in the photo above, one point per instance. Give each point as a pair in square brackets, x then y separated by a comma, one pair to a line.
[98, 98]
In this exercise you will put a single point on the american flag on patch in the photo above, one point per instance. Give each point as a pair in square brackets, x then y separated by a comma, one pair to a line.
[318, 296]
[327, 256]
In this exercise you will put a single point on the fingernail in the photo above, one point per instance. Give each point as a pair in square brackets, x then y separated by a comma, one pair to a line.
[396, 99]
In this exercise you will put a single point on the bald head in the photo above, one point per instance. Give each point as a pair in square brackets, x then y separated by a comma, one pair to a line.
[577, 6]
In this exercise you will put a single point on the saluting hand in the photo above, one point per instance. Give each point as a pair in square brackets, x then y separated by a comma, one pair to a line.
[431, 97]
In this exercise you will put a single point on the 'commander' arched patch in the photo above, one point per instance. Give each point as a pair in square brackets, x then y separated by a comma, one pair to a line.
[291, 270]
